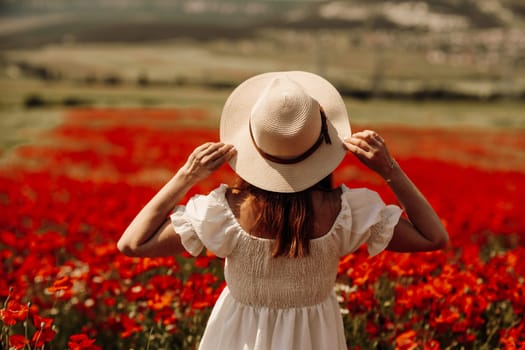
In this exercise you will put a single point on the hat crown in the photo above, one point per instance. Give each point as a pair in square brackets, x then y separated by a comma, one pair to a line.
[285, 141]
[285, 121]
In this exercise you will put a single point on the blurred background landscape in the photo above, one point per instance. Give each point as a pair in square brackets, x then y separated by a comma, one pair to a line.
[453, 63]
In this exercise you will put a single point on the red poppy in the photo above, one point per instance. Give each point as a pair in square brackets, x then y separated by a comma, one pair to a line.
[202, 262]
[406, 341]
[18, 342]
[14, 312]
[445, 319]
[159, 302]
[431, 345]
[63, 284]
[82, 342]
[42, 322]
[130, 326]
[42, 336]
[44, 332]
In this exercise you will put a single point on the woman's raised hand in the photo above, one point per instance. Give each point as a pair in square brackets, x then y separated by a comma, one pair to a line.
[150, 233]
[424, 231]
[370, 148]
[205, 159]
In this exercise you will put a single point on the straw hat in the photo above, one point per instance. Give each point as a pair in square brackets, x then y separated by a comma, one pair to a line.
[287, 128]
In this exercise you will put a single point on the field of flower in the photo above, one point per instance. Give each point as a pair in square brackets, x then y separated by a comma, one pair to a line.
[65, 200]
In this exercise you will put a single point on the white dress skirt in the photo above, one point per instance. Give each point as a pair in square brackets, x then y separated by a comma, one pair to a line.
[280, 303]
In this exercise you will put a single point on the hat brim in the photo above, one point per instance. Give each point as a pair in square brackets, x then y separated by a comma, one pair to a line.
[276, 177]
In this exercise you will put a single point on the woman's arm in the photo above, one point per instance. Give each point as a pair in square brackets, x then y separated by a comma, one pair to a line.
[424, 231]
[150, 233]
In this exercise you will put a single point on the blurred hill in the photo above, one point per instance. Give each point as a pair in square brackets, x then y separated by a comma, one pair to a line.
[396, 49]
[37, 22]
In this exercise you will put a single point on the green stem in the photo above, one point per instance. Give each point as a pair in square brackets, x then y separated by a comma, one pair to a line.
[149, 338]
[39, 334]
[26, 323]
[6, 337]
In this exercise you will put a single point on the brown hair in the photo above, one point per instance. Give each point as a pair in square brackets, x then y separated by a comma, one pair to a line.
[288, 215]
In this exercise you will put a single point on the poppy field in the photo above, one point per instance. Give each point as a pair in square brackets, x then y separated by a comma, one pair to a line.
[66, 198]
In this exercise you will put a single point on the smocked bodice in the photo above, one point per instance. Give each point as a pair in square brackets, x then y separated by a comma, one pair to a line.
[258, 279]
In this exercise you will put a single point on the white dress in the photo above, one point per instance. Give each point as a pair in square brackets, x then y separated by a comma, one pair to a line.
[280, 303]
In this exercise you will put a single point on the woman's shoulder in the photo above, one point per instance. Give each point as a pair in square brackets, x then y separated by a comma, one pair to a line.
[202, 205]
[358, 194]
[243, 206]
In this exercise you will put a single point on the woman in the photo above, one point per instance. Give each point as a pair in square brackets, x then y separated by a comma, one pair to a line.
[282, 227]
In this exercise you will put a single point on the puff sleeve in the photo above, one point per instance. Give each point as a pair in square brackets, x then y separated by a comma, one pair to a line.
[206, 222]
[369, 220]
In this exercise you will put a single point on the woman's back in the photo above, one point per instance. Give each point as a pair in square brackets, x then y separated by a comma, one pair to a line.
[282, 282]
[326, 207]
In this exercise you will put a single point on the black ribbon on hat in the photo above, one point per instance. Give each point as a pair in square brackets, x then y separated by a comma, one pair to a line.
[324, 136]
